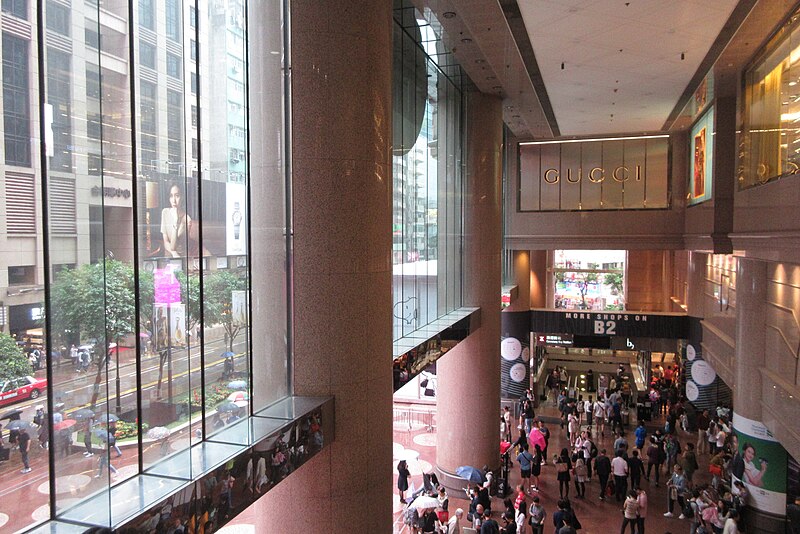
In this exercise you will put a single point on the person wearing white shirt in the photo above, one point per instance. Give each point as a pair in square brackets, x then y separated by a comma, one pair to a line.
[454, 525]
[619, 468]
[600, 416]
[732, 523]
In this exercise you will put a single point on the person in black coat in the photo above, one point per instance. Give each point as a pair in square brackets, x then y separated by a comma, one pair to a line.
[402, 479]
[602, 466]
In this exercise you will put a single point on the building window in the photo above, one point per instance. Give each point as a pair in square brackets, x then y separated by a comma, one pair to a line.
[20, 203]
[95, 165]
[148, 122]
[94, 126]
[589, 279]
[173, 20]
[58, 18]
[58, 95]
[18, 8]
[92, 82]
[193, 50]
[174, 126]
[193, 17]
[194, 116]
[92, 38]
[194, 82]
[174, 66]
[16, 102]
[147, 55]
[62, 205]
[21, 275]
[195, 148]
[147, 17]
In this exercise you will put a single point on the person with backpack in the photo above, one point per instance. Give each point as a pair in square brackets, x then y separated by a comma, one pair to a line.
[654, 459]
[636, 469]
[546, 433]
[641, 435]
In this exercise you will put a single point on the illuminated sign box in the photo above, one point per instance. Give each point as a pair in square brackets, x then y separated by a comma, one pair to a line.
[600, 174]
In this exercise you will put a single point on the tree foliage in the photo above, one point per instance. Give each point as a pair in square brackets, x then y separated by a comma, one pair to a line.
[218, 302]
[13, 363]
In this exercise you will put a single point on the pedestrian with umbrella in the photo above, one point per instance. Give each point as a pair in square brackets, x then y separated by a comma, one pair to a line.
[160, 433]
[24, 441]
[104, 461]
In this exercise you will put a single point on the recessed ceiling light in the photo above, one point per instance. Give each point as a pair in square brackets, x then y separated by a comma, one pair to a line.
[480, 61]
[491, 77]
[449, 14]
[466, 40]
[497, 87]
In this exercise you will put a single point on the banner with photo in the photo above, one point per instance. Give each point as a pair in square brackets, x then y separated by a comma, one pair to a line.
[169, 325]
[761, 464]
[171, 216]
[701, 173]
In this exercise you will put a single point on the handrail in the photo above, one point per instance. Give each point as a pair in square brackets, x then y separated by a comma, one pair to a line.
[791, 312]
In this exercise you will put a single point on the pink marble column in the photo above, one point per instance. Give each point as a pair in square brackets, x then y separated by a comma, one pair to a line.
[521, 263]
[538, 280]
[468, 395]
[342, 187]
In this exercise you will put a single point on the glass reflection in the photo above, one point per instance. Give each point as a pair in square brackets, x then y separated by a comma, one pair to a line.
[124, 331]
[427, 179]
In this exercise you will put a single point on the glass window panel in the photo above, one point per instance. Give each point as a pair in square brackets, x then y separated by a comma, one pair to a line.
[16, 100]
[18, 8]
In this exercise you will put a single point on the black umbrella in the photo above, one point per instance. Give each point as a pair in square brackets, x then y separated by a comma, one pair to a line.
[227, 407]
[13, 414]
[18, 424]
[82, 415]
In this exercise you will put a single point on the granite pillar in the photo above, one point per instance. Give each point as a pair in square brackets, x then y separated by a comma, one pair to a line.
[342, 331]
[696, 280]
[521, 264]
[468, 395]
[538, 280]
[751, 309]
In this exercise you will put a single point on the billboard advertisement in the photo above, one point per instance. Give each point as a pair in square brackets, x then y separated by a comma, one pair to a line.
[702, 153]
[169, 325]
[761, 464]
[171, 215]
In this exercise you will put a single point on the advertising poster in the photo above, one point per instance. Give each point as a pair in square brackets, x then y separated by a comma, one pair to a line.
[169, 325]
[239, 306]
[702, 150]
[235, 232]
[761, 464]
[171, 219]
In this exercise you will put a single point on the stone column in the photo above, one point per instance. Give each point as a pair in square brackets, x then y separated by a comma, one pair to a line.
[521, 263]
[342, 192]
[696, 278]
[468, 394]
[751, 298]
[538, 280]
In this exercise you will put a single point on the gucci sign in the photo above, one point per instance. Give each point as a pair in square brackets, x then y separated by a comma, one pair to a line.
[598, 174]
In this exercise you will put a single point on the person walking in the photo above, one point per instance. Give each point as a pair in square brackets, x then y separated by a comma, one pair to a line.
[580, 476]
[636, 469]
[619, 468]
[536, 466]
[602, 467]
[537, 516]
[641, 499]
[689, 464]
[701, 422]
[630, 512]
[654, 459]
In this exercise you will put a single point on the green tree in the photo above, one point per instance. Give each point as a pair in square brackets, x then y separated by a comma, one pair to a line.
[584, 280]
[13, 363]
[95, 300]
[218, 291]
[614, 281]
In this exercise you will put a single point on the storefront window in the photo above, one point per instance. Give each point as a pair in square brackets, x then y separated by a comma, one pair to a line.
[589, 279]
[427, 171]
[125, 336]
[769, 144]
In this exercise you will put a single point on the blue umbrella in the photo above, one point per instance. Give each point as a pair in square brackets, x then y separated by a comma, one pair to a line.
[101, 433]
[470, 473]
[227, 354]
